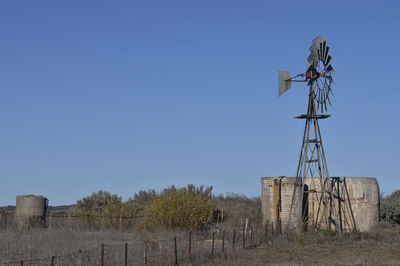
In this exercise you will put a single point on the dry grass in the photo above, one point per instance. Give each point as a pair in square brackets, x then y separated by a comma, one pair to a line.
[380, 246]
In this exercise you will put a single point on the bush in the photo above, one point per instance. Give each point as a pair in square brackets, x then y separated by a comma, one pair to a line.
[188, 208]
[140, 201]
[100, 203]
[390, 208]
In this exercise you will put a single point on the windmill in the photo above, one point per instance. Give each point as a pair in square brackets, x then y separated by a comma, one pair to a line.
[326, 196]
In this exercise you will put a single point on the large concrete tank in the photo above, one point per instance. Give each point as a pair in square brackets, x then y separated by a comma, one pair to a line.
[31, 210]
[364, 198]
[365, 201]
[363, 195]
[276, 201]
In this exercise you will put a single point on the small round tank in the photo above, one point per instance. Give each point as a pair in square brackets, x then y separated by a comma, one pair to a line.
[31, 210]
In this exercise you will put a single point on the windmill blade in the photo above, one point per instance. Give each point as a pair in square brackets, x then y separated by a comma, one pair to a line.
[317, 41]
[326, 55]
[315, 55]
[328, 62]
[323, 49]
[285, 81]
[329, 70]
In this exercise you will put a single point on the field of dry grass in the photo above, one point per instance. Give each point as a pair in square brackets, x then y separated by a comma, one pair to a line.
[344, 252]
[379, 247]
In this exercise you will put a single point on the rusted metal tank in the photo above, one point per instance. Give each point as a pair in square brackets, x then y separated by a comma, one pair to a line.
[276, 201]
[31, 210]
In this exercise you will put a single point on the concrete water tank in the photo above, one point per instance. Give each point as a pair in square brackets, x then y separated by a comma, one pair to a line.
[276, 201]
[365, 201]
[363, 194]
[31, 209]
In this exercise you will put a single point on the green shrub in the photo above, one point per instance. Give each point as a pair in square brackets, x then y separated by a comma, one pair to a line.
[390, 208]
[188, 208]
[140, 201]
[100, 203]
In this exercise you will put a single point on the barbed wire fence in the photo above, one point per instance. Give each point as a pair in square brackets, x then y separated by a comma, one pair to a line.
[195, 247]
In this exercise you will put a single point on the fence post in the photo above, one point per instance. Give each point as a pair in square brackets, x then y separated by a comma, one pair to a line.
[160, 247]
[145, 254]
[175, 252]
[251, 235]
[102, 254]
[190, 244]
[126, 254]
[49, 227]
[212, 246]
[223, 241]
[120, 222]
[79, 261]
[22, 262]
[244, 237]
[234, 238]
[52, 260]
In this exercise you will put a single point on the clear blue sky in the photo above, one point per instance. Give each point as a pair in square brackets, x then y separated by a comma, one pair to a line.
[131, 95]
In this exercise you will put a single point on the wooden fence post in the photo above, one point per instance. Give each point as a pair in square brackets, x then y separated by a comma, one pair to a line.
[251, 235]
[120, 223]
[52, 260]
[49, 227]
[126, 254]
[212, 246]
[233, 240]
[145, 254]
[175, 252]
[22, 262]
[102, 255]
[244, 238]
[79, 261]
[223, 241]
[190, 244]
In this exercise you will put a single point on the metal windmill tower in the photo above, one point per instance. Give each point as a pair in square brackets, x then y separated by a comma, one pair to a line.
[327, 196]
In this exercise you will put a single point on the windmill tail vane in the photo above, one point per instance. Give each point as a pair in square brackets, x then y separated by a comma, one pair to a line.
[327, 195]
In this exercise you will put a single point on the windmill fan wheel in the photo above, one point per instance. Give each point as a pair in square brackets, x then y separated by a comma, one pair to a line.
[320, 68]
